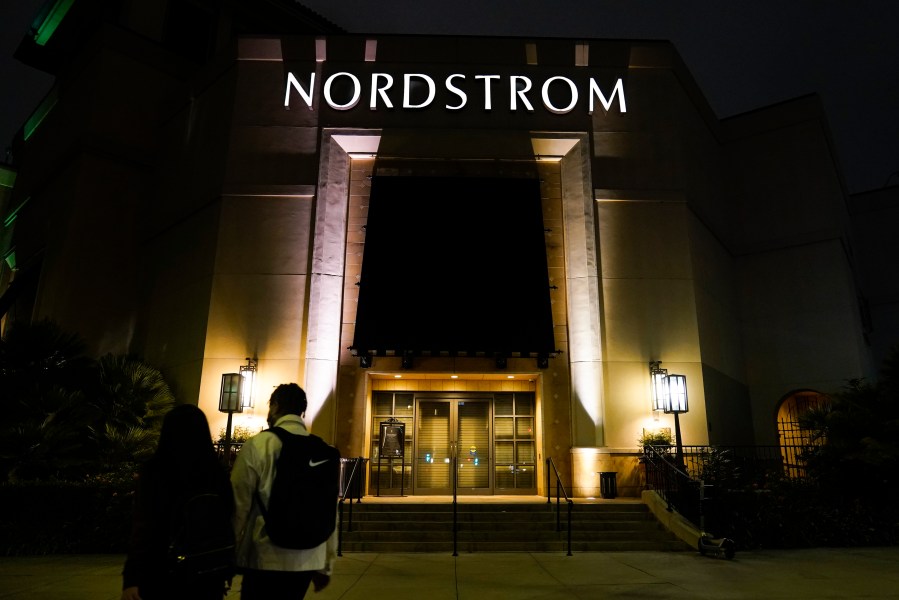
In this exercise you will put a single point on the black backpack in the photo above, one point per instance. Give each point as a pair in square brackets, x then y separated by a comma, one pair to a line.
[302, 508]
[202, 540]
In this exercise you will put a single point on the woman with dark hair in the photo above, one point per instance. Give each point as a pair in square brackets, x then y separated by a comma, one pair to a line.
[183, 468]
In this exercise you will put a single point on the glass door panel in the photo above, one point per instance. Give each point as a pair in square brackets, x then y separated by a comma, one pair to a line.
[473, 419]
[442, 424]
[389, 475]
[516, 452]
[432, 456]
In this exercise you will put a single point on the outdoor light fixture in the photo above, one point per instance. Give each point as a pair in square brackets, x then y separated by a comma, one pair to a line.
[658, 385]
[229, 402]
[677, 394]
[229, 398]
[669, 394]
[247, 382]
[675, 404]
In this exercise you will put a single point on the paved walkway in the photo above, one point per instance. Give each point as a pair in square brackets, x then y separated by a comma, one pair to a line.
[770, 575]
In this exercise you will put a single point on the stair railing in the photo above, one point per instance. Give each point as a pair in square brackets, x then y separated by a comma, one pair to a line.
[348, 486]
[560, 491]
[670, 480]
[455, 506]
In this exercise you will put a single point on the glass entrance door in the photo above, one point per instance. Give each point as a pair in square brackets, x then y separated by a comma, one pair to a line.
[445, 426]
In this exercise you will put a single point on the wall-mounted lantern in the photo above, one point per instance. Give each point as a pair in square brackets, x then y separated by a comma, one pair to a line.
[248, 382]
[658, 385]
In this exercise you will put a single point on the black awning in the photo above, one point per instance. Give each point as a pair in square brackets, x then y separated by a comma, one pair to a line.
[454, 265]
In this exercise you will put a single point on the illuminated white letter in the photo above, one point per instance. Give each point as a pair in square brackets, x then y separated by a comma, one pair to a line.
[380, 91]
[293, 83]
[487, 78]
[549, 105]
[515, 93]
[463, 98]
[607, 104]
[407, 84]
[357, 92]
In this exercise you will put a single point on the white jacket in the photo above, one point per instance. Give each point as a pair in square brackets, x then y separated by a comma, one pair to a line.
[255, 468]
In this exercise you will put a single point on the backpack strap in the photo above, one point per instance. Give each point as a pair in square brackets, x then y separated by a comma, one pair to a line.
[278, 431]
[282, 435]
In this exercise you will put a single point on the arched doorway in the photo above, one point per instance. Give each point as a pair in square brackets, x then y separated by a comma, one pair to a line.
[792, 437]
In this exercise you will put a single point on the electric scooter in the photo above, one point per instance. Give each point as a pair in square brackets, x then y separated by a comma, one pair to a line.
[716, 546]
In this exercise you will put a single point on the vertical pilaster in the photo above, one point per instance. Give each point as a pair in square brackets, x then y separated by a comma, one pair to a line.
[584, 300]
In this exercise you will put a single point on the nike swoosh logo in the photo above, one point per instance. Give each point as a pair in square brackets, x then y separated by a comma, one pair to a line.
[317, 463]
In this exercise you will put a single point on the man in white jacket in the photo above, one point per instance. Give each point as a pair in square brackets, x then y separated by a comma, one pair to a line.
[269, 571]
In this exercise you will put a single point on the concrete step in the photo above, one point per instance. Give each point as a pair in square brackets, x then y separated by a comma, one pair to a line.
[561, 546]
[550, 525]
[540, 506]
[491, 527]
[493, 512]
[506, 536]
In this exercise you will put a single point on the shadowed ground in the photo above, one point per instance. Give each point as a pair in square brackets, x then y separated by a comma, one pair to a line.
[788, 574]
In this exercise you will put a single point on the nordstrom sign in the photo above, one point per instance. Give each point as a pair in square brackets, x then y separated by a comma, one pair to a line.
[559, 94]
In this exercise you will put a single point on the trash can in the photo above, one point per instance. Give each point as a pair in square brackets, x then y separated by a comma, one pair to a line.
[353, 488]
[608, 484]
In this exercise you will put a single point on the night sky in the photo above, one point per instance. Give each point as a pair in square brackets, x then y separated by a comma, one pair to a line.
[744, 54]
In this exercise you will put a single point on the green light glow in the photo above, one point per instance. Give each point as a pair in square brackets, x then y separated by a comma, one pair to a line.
[40, 113]
[51, 20]
[7, 177]
[11, 217]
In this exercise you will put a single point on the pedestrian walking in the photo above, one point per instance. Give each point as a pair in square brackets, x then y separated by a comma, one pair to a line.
[285, 489]
[181, 545]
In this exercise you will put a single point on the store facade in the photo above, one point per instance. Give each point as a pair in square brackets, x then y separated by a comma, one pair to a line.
[486, 241]
[634, 186]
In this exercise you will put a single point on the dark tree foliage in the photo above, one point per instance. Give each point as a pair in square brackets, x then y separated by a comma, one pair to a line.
[851, 491]
[39, 363]
[67, 415]
[855, 451]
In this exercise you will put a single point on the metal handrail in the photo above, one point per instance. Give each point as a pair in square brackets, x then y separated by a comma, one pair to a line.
[454, 452]
[671, 481]
[346, 490]
[560, 490]
[753, 461]
[227, 457]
